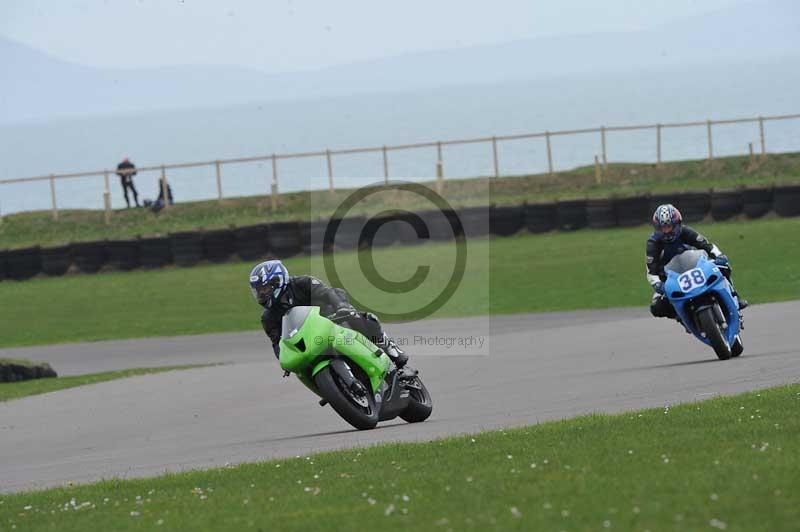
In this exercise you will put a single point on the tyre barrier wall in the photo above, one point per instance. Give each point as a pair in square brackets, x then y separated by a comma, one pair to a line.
[23, 263]
[56, 261]
[725, 205]
[155, 252]
[187, 247]
[787, 201]
[252, 241]
[89, 257]
[571, 215]
[756, 202]
[219, 245]
[600, 213]
[285, 239]
[124, 255]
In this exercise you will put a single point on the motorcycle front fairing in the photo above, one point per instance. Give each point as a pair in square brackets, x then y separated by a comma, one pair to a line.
[309, 342]
[697, 283]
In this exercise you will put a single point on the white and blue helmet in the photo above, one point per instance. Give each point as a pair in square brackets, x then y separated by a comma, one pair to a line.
[268, 282]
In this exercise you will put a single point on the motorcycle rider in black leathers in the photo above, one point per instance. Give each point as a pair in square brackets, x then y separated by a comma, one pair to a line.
[672, 238]
[278, 292]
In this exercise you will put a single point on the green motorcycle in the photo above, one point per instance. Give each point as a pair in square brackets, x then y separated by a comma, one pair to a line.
[349, 372]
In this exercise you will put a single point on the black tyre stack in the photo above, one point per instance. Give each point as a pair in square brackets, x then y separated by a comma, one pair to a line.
[506, 220]
[541, 217]
[756, 202]
[155, 252]
[286, 239]
[349, 233]
[571, 215]
[56, 260]
[476, 220]
[252, 241]
[187, 247]
[89, 257]
[380, 231]
[786, 200]
[314, 241]
[726, 204]
[219, 245]
[632, 212]
[3, 255]
[124, 255]
[23, 263]
[600, 213]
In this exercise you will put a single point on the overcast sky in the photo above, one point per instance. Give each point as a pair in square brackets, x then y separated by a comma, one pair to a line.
[278, 35]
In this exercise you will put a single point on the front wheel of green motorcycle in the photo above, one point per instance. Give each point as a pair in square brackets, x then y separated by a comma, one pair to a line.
[357, 409]
[420, 404]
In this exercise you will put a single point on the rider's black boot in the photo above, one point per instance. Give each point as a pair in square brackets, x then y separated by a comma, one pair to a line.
[397, 355]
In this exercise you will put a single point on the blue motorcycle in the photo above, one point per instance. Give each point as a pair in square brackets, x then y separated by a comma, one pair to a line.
[704, 302]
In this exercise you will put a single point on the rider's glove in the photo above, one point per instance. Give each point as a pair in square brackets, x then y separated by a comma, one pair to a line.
[721, 260]
[659, 287]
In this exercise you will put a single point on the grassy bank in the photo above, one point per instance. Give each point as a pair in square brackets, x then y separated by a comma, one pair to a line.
[16, 390]
[523, 273]
[26, 229]
[726, 463]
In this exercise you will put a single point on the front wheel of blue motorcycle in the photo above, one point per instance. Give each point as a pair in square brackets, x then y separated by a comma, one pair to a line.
[738, 347]
[709, 325]
[358, 409]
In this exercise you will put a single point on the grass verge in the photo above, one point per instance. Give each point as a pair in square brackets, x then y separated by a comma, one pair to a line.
[726, 463]
[16, 390]
[32, 228]
[522, 273]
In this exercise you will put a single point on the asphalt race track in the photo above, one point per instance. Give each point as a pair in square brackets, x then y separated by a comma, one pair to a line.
[531, 368]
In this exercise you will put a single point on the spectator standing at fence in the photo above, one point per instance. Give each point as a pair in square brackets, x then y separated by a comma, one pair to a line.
[126, 170]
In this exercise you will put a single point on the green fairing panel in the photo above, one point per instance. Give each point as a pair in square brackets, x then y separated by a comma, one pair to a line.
[306, 336]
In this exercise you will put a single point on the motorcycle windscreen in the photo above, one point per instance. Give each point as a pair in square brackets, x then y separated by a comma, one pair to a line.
[294, 320]
[686, 260]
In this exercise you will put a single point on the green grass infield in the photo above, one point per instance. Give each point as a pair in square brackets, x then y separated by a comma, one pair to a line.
[522, 273]
[723, 464]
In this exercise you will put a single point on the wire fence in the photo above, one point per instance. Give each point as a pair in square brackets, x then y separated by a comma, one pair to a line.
[328, 155]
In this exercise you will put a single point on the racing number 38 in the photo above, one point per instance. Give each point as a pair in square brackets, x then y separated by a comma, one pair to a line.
[692, 279]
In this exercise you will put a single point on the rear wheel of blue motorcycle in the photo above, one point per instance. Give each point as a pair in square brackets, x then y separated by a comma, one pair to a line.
[358, 411]
[713, 332]
[420, 404]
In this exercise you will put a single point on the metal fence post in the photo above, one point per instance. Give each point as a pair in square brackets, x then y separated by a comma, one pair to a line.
[603, 145]
[106, 198]
[274, 186]
[658, 145]
[549, 153]
[385, 166]
[597, 176]
[164, 186]
[710, 143]
[439, 169]
[752, 156]
[219, 180]
[330, 170]
[494, 157]
[53, 196]
[761, 132]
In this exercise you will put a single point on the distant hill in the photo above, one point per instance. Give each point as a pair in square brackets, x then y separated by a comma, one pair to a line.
[37, 86]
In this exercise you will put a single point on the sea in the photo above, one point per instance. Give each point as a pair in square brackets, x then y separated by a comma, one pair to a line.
[592, 99]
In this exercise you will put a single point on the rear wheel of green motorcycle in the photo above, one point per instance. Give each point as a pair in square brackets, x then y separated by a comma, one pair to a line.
[713, 332]
[358, 411]
[420, 404]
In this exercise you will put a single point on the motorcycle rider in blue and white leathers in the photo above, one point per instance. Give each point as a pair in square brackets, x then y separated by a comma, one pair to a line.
[672, 238]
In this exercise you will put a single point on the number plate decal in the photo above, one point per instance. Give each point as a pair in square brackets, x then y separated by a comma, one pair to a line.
[691, 280]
